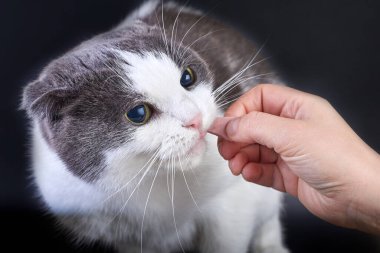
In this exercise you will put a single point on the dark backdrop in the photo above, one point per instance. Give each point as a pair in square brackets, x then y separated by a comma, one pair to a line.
[329, 48]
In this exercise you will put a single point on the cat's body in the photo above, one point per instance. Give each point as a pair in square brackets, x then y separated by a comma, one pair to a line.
[160, 186]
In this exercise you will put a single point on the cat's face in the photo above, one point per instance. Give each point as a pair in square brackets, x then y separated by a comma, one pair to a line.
[118, 106]
[168, 120]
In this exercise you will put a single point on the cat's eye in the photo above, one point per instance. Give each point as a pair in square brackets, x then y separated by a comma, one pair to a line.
[187, 78]
[139, 115]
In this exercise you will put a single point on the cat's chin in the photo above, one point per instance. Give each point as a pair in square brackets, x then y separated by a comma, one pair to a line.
[197, 149]
[188, 159]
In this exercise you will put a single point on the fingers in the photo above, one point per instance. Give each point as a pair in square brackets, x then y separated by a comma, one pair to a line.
[273, 99]
[264, 174]
[252, 153]
[256, 127]
[229, 149]
[264, 124]
[218, 126]
[265, 129]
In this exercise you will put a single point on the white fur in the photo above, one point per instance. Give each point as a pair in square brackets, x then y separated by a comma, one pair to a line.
[62, 191]
[227, 211]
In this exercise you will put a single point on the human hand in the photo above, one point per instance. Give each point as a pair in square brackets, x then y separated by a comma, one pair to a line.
[297, 143]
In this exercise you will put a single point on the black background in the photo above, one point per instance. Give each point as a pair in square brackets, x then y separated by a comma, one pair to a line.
[329, 48]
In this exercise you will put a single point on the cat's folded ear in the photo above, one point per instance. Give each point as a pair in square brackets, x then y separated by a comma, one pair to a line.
[42, 100]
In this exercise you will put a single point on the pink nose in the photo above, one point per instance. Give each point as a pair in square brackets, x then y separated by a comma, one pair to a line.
[195, 122]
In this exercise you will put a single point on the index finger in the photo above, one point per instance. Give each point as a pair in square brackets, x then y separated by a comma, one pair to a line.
[273, 99]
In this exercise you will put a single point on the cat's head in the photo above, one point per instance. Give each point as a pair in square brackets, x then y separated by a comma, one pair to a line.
[123, 100]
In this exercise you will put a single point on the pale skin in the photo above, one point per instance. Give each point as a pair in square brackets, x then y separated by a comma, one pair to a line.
[297, 143]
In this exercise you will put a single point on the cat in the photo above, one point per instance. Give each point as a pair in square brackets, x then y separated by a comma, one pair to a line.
[120, 150]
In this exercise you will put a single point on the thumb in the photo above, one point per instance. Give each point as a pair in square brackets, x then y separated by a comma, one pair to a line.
[263, 128]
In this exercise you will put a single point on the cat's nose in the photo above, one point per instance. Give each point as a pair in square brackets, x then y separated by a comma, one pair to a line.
[195, 122]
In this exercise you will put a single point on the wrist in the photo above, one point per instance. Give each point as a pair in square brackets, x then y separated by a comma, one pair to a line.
[364, 210]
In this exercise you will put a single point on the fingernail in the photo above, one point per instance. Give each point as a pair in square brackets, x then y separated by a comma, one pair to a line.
[218, 126]
[232, 127]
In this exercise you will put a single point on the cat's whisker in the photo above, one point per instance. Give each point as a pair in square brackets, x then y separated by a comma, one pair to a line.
[187, 185]
[153, 157]
[227, 90]
[245, 67]
[172, 202]
[187, 158]
[171, 169]
[167, 181]
[119, 213]
[227, 102]
[231, 79]
[136, 187]
[222, 100]
[136, 103]
[146, 204]
[236, 83]
[228, 99]
[236, 76]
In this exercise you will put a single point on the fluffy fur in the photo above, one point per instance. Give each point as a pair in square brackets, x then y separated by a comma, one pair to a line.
[162, 186]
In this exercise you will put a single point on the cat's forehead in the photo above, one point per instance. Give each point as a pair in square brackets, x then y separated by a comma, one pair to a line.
[153, 75]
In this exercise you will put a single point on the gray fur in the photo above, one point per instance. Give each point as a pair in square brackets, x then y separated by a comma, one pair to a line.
[80, 98]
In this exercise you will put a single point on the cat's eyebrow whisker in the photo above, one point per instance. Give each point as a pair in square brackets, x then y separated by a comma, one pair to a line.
[197, 21]
[194, 24]
[163, 26]
[195, 41]
[207, 48]
[174, 27]
[146, 204]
